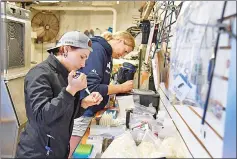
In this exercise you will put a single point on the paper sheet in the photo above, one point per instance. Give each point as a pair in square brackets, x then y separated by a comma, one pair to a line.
[125, 102]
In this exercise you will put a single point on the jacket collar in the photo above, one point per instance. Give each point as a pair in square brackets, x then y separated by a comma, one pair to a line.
[53, 61]
[104, 43]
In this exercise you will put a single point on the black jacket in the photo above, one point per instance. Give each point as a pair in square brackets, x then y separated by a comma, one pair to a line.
[50, 110]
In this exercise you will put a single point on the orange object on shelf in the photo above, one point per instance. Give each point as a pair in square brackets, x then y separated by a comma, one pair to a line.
[145, 76]
[85, 137]
[87, 133]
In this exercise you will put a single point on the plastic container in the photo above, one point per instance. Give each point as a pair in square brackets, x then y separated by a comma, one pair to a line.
[126, 72]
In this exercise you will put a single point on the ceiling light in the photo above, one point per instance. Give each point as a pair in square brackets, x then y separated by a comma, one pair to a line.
[48, 1]
[117, 2]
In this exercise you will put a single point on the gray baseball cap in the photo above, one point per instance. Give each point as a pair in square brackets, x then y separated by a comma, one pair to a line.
[75, 39]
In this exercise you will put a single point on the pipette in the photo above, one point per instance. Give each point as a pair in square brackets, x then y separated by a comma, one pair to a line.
[77, 74]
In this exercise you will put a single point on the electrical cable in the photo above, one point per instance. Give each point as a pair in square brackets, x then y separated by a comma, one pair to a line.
[221, 26]
[212, 71]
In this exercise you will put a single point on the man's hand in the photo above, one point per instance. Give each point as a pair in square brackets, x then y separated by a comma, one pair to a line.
[76, 84]
[126, 86]
[93, 99]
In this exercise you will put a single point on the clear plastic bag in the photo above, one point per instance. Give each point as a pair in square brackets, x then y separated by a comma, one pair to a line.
[171, 147]
[149, 146]
[140, 117]
[122, 147]
[168, 129]
[161, 116]
[150, 137]
[105, 130]
[137, 135]
[141, 109]
[156, 127]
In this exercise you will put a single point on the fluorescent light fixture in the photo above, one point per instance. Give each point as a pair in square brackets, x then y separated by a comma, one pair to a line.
[48, 1]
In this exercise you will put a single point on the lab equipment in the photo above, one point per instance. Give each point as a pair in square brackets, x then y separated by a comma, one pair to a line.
[126, 72]
[15, 63]
[145, 31]
[109, 119]
[77, 74]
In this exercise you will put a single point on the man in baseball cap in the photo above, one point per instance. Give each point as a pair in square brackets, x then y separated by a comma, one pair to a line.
[75, 39]
[52, 98]
[72, 50]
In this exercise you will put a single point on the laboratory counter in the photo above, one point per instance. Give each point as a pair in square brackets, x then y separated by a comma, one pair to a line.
[143, 136]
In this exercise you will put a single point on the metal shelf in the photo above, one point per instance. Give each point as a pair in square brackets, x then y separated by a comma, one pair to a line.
[166, 22]
[188, 122]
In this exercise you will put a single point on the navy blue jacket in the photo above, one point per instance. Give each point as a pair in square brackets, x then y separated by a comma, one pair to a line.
[98, 70]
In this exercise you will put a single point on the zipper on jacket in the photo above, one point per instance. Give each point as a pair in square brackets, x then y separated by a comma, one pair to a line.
[47, 146]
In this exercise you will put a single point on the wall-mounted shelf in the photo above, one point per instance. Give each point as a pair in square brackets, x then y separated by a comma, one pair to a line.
[188, 122]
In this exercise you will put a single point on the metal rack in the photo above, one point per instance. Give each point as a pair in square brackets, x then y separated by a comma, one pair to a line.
[164, 26]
